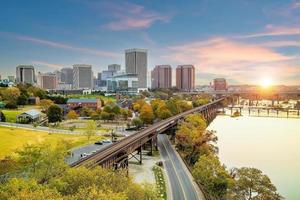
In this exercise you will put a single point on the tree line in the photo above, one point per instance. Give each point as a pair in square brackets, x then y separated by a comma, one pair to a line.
[198, 148]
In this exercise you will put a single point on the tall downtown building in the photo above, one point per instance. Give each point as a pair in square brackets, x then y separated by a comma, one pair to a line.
[161, 76]
[66, 75]
[48, 81]
[25, 74]
[82, 76]
[185, 77]
[136, 63]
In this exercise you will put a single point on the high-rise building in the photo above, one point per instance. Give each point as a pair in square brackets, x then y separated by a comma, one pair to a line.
[114, 67]
[136, 63]
[185, 77]
[161, 76]
[82, 76]
[67, 75]
[11, 78]
[220, 84]
[25, 74]
[47, 81]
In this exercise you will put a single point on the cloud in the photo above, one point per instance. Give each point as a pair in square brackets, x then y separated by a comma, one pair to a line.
[284, 43]
[296, 5]
[128, 16]
[233, 60]
[274, 31]
[61, 45]
[50, 65]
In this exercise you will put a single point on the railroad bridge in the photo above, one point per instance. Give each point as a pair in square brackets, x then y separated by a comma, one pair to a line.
[117, 154]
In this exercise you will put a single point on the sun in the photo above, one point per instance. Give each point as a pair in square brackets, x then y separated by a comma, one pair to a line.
[266, 82]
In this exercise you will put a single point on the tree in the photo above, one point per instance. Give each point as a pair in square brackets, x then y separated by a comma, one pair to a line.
[10, 95]
[192, 138]
[209, 172]
[2, 117]
[54, 114]
[91, 129]
[45, 104]
[146, 114]
[200, 102]
[86, 112]
[251, 183]
[137, 122]
[138, 104]
[163, 112]
[72, 115]
[22, 99]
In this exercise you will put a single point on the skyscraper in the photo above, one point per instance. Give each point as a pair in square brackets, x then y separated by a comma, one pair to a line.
[47, 81]
[25, 74]
[161, 76]
[114, 67]
[185, 77]
[136, 63]
[82, 76]
[67, 75]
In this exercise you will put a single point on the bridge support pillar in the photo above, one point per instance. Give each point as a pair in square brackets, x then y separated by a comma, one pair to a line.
[141, 156]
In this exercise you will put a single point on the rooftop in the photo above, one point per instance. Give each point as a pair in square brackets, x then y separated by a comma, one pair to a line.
[82, 101]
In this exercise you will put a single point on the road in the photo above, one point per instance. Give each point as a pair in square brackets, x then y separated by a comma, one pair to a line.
[180, 179]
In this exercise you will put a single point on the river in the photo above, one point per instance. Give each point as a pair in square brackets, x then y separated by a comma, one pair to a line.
[269, 144]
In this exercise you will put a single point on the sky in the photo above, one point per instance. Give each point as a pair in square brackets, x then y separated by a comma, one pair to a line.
[243, 41]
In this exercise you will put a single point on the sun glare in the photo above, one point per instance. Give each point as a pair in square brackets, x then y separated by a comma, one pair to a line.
[266, 82]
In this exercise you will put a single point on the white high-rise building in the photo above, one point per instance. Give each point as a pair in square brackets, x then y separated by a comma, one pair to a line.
[25, 74]
[82, 76]
[136, 63]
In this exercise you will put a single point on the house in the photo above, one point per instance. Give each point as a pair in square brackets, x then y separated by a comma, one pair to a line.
[33, 100]
[29, 116]
[79, 103]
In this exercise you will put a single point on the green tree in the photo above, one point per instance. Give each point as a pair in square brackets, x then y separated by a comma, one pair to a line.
[146, 114]
[54, 114]
[251, 183]
[22, 99]
[2, 117]
[213, 176]
[91, 129]
[137, 122]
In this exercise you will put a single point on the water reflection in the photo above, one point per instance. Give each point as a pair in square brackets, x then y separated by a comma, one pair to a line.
[270, 144]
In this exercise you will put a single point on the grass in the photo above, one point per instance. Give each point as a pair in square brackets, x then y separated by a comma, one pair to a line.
[160, 182]
[15, 138]
[92, 96]
[11, 114]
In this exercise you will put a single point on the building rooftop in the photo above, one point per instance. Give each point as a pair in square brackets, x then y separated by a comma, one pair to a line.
[82, 101]
[33, 113]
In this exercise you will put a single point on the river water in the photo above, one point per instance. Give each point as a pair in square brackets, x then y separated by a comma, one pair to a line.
[269, 144]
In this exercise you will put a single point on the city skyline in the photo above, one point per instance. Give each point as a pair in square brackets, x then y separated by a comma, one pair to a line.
[246, 42]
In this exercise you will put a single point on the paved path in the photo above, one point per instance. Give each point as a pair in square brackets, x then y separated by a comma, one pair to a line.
[180, 179]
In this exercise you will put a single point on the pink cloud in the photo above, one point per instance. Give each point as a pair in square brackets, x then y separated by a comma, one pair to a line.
[233, 60]
[132, 16]
[50, 65]
[274, 31]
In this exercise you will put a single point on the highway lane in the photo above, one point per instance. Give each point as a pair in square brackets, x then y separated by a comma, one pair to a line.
[182, 184]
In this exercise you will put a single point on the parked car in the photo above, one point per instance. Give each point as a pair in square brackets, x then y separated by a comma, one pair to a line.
[106, 141]
[99, 142]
